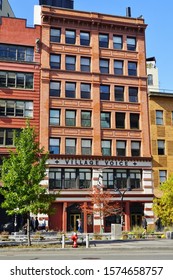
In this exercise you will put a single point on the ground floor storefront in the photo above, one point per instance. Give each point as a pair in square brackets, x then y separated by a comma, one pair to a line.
[68, 217]
[129, 182]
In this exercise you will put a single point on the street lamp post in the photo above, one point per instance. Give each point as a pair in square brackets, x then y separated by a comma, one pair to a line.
[15, 221]
[122, 197]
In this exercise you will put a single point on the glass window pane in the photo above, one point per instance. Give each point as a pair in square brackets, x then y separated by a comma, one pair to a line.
[85, 38]
[2, 136]
[135, 145]
[121, 144]
[70, 118]
[70, 142]
[20, 80]
[10, 108]
[85, 91]
[159, 117]
[29, 81]
[104, 66]
[132, 68]
[85, 64]
[118, 67]
[133, 94]
[20, 108]
[55, 89]
[104, 92]
[105, 120]
[29, 109]
[120, 120]
[106, 144]
[29, 54]
[119, 93]
[103, 40]
[11, 80]
[131, 44]
[55, 117]
[70, 37]
[55, 35]
[117, 42]
[150, 80]
[55, 61]
[54, 145]
[9, 137]
[21, 54]
[85, 119]
[134, 121]
[70, 62]
[3, 79]
[2, 107]
[70, 90]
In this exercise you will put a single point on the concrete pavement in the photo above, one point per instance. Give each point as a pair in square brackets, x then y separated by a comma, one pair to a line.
[132, 244]
[137, 244]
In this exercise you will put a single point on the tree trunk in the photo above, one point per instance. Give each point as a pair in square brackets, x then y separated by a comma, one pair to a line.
[28, 229]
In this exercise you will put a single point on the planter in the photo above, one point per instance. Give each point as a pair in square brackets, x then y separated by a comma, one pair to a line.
[138, 236]
[4, 237]
[130, 235]
[125, 236]
[97, 237]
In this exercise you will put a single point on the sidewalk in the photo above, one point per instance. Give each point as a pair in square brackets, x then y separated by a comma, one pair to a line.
[141, 244]
[144, 244]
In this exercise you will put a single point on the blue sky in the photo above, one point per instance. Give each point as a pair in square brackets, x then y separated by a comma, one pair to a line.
[158, 16]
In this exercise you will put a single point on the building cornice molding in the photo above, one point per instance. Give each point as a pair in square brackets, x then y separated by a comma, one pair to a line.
[160, 94]
[52, 16]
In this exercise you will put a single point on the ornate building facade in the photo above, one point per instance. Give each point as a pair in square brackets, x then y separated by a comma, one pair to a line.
[81, 79]
[94, 116]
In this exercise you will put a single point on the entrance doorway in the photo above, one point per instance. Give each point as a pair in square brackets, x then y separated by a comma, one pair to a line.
[136, 220]
[74, 221]
[136, 211]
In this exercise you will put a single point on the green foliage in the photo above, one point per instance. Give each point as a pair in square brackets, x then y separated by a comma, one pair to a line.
[138, 230]
[163, 207]
[22, 173]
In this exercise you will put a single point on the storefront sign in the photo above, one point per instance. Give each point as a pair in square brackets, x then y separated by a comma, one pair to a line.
[98, 163]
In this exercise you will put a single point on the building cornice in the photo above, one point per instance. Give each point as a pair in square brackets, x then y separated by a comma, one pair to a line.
[52, 16]
[160, 94]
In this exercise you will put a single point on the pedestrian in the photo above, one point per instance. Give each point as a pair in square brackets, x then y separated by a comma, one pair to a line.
[79, 225]
[36, 224]
[43, 224]
[25, 228]
[144, 223]
[32, 224]
[158, 224]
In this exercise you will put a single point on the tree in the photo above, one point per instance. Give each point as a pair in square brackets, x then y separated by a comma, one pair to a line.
[163, 206]
[22, 173]
[101, 204]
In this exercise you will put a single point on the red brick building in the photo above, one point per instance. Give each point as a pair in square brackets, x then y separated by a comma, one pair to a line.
[94, 114]
[81, 79]
[19, 79]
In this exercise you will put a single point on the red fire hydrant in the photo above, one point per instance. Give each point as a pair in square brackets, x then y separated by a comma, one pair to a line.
[74, 238]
